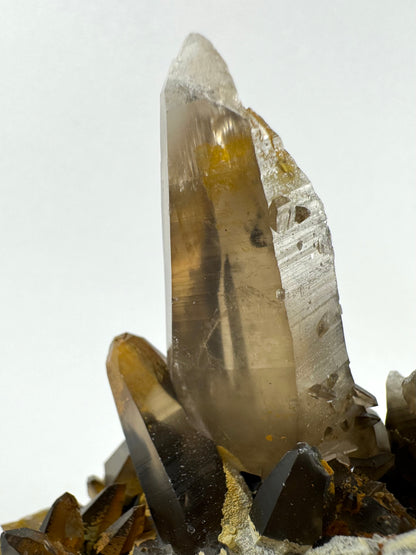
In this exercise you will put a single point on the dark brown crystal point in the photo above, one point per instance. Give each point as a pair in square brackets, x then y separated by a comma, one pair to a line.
[401, 424]
[63, 523]
[119, 538]
[179, 468]
[119, 469]
[290, 503]
[102, 511]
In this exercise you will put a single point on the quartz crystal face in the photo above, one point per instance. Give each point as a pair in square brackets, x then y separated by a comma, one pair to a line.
[256, 346]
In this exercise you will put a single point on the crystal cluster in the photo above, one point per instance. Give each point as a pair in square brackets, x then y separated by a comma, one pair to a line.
[251, 437]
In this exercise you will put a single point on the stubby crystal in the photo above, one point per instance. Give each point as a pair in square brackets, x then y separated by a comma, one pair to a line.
[256, 345]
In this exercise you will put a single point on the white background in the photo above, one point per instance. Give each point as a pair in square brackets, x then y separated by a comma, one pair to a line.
[80, 224]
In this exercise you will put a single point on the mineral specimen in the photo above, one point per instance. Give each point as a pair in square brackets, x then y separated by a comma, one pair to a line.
[252, 304]
[256, 363]
[401, 424]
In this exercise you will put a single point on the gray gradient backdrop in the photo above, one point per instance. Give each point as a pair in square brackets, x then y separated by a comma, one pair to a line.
[80, 224]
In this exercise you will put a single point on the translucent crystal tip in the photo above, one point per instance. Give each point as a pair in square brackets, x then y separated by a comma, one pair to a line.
[202, 73]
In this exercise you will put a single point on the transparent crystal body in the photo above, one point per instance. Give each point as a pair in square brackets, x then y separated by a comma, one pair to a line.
[256, 348]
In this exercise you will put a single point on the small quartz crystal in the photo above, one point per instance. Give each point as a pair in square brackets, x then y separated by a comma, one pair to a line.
[290, 504]
[122, 534]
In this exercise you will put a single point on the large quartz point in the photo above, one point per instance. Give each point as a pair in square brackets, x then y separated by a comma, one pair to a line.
[256, 345]
[401, 404]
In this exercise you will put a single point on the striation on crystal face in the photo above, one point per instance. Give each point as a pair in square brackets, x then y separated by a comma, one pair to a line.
[253, 313]
[179, 469]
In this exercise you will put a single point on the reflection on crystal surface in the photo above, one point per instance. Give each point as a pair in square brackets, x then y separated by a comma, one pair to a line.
[253, 312]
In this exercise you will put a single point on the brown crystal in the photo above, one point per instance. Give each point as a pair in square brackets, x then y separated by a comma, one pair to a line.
[63, 523]
[25, 541]
[119, 469]
[364, 506]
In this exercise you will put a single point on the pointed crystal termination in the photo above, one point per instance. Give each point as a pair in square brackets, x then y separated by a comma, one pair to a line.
[119, 469]
[63, 523]
[253, 313]
[290, 504]
[179, 468]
